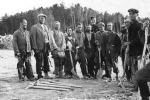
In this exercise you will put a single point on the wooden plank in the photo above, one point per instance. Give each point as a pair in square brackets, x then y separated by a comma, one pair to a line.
[46, 88]
[48, 83]
[52, 85]
[66, 84]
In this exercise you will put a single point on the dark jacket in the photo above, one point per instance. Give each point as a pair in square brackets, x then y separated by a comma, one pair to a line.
[21, 41]
[136, 46]
[113, 44]
[90, 46]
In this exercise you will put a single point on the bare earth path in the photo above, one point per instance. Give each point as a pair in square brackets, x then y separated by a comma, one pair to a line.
[12, 89]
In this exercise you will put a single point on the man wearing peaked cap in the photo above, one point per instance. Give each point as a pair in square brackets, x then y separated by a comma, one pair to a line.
[134, 42]
[132, 10]
[41, 15]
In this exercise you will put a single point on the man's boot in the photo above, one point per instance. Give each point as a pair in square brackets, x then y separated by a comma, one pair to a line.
[46, 76]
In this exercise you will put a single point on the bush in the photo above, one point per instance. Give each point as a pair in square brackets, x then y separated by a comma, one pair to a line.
[6, 42]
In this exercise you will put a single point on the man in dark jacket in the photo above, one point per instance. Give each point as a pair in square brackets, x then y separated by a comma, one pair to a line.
[70, 64]
[113, 50]
[80, 55]
[22, 50]
[40, 45]
[90, 49]
[101, 41]
[134, 42]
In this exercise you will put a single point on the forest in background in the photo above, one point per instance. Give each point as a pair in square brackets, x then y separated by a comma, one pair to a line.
[68, 17]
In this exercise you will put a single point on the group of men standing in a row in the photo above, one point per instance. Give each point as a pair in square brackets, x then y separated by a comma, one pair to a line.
[93, 48]
[66, 50]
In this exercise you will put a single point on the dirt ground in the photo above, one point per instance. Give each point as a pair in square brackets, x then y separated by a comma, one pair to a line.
[12, 89]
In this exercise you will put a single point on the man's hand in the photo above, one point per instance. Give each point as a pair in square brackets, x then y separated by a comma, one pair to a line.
[17, 55]
[97, 42]
[127, 43]
[36, 51]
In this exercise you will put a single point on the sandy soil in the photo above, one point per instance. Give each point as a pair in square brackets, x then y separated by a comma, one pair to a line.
[12, 89]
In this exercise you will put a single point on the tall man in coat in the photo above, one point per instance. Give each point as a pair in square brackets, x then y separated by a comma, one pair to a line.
[22, 50]
[40, 45]
[58, 47]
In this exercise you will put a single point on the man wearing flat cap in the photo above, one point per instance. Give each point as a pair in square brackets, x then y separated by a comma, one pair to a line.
[40, 45]
[134, 41]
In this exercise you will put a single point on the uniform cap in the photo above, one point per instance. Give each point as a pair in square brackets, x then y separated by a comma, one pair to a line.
[135, 11]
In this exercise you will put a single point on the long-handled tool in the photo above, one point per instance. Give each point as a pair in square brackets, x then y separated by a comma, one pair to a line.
[100, 72]
[72, 64]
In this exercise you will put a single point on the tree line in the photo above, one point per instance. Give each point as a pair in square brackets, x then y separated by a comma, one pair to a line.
[68, 17]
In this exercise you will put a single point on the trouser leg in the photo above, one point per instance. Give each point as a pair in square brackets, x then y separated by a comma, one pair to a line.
[82, 61]
[56, 62]
[39, 63]
[108, 65]
[134, 69]
[67, 65]
[46, 63]
[61, 68]
[20, 67]
[29, 71]
[91, 66]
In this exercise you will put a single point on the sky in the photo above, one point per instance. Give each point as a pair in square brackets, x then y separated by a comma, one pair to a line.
[12, 7]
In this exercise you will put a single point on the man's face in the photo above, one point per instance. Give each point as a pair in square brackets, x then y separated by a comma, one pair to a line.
[79, 27]
[57, 26]
[42, 19]
[101, 27]
[88, 29]
[132, 15]
[69, 31]
[127, 24]
[93, 21]
[109, 27]
[24, 24]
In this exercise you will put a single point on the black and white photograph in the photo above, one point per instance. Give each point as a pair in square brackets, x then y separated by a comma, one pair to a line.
[75, 50]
